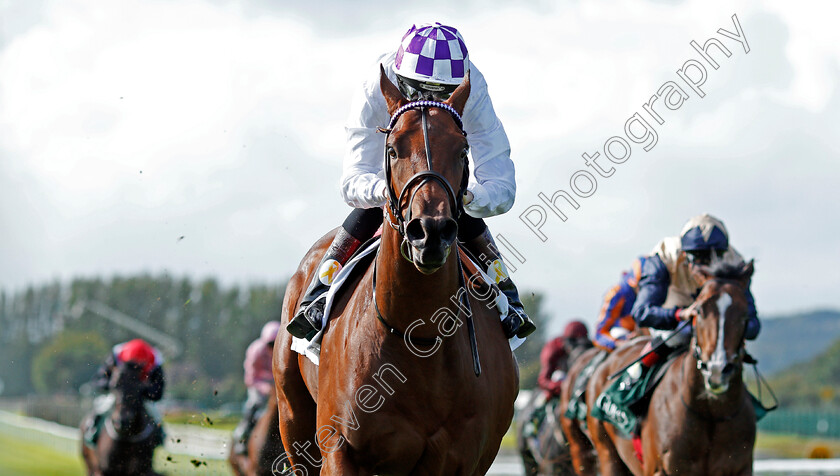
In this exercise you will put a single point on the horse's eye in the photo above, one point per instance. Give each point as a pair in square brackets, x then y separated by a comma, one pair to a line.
[464, 154]
[392, 154]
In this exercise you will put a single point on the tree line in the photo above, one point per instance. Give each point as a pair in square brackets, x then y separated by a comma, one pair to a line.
[53, 337]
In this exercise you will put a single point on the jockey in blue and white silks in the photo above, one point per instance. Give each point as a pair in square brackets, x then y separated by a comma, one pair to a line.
[429, 63]
[667, 287]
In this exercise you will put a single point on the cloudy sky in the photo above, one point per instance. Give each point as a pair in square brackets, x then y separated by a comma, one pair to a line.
[205, 138]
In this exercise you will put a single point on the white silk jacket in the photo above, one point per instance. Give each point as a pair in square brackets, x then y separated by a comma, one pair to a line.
[492, 177]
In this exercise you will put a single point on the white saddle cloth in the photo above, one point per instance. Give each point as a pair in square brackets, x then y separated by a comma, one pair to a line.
[312, 348]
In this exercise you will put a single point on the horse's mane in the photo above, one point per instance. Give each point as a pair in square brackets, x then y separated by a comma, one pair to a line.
[727, 271]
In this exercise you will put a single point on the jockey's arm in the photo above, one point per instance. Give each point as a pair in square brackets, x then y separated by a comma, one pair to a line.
[610, 313]
[362, 178]
[154, 387]
[494, 187]
[550, 358]
[102, 379]
[653, 290]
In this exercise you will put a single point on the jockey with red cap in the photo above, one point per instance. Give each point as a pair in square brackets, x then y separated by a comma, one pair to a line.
[139, 352]
[429, 63]
[557, 355]
[259, 381]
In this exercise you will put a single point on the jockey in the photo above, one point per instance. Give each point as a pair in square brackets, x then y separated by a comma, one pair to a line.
[556, 355]
[668, 286]
[259, 381]
[615, 323]
[430, 62]
[139, 352]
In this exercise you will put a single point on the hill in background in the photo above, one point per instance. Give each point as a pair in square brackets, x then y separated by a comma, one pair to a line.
[789, 340]
[811, 384]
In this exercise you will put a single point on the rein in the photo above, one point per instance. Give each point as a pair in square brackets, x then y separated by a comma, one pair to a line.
[419, 179]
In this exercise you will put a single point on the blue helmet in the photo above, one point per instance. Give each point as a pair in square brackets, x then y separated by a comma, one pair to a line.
[704, 232]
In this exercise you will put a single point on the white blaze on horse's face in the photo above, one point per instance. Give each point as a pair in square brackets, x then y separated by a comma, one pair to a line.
[716, 379]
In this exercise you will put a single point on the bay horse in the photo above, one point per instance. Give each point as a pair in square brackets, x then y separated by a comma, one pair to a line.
[581, 451]
[127, 441]
[700, 418]
[396, 391]
[264, 445]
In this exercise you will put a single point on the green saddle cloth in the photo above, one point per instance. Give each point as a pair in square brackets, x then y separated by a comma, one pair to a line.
[576, 409]
[537, 418]
[622, 406]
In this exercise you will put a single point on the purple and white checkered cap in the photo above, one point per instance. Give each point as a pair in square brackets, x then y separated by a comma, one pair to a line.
[432, 52]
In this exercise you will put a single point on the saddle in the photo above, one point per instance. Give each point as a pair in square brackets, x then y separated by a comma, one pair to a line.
[623, 407]
[98, 421]
[576, 408]
[474, 278]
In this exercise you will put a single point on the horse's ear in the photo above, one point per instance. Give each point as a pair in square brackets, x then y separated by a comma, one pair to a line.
[393, 97]
[747, 272]
[459, 97]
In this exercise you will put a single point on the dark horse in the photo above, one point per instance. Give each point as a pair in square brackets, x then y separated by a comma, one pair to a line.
[129, 435]
[391, 396]
[264, 445]
[548, 454]
[700, 419]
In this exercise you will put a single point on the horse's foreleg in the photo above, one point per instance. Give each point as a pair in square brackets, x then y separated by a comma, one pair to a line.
[580, 448]
[609, 459]
[338, 463]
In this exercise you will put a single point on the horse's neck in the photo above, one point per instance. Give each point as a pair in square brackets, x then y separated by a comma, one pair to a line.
[694, 392]
[405, 295]
[120, 403]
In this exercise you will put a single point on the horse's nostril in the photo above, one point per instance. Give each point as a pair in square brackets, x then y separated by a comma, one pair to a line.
[449, 231]
[414, 231]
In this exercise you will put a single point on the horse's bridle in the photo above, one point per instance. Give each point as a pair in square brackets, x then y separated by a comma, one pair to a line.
[702, 366]
[421, 178]
[455, 202]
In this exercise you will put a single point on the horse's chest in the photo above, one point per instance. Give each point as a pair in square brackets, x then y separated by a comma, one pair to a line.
[703, 448]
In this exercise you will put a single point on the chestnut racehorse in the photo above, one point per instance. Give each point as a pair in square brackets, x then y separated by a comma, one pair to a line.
[129, 435]
[700, 419]
[391, 396]
[581, 451]
[264, 445]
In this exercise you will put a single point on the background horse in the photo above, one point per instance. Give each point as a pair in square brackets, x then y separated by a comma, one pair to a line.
[396, 391]
[264, 445]
[700, 419]
[548, 454]
[129, 435]
[581, 451]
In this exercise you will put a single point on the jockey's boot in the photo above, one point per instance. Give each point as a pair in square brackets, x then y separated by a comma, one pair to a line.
[652, 353]
[307, 321]
[516, 323]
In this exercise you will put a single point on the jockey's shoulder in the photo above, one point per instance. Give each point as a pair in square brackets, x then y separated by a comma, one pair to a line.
[668, 251]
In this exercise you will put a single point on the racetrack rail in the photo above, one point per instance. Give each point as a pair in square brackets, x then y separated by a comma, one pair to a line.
[213, 444]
